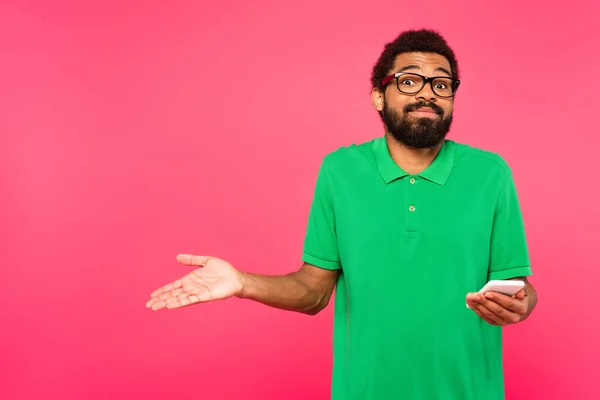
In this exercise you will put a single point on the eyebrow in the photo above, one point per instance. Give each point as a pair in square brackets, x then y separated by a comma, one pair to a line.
[407, 67]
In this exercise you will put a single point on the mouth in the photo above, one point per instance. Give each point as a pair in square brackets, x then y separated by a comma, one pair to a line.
[424, 112]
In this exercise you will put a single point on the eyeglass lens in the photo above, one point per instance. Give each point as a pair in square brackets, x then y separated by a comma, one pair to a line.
[411, 84]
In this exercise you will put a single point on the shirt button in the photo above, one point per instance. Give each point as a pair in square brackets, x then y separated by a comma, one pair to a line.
[412, 180]
[411, 208]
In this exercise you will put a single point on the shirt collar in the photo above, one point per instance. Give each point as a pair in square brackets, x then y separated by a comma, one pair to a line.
[438, 172]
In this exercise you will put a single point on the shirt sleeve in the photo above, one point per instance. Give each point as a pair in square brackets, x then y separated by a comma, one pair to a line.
[320, 242]
[509, 256]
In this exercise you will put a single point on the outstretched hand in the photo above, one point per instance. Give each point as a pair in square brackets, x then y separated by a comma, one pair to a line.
[215, 279]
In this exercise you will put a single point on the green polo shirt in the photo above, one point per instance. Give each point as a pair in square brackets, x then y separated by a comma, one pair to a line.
[409, 248]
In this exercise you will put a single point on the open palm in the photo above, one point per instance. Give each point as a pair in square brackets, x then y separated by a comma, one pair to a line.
[215, 279]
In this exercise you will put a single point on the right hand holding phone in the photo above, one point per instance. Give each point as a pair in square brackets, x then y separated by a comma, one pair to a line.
[497, 308]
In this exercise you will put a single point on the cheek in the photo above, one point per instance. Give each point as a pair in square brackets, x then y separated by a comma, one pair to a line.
[447, 108]
[398, 102]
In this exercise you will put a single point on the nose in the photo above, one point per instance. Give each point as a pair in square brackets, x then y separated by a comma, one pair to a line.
[426, 93]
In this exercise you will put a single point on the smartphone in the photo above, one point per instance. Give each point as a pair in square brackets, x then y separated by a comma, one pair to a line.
[507, 287]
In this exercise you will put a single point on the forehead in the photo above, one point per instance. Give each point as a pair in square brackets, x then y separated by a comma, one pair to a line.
[425, 62]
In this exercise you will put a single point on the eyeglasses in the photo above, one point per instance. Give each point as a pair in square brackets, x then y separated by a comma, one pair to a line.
[410, 83]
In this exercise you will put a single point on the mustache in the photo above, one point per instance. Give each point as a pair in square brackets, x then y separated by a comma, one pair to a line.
[421, 104]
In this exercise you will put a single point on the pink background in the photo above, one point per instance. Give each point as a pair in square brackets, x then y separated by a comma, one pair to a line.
[133, 131]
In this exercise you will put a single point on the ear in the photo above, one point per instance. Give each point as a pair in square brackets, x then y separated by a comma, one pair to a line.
[378, 99]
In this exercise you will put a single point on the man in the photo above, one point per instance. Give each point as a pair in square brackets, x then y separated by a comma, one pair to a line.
[409, 226]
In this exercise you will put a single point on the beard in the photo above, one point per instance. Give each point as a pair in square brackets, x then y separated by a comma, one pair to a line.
[420, 133]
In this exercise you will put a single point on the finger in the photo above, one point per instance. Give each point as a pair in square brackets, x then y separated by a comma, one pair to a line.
[173, 285]
[183, 295]
[159, 305]
[482, 315]
[505, 316]
[474, 302]
[190, 259]
[474, 298]
[182, 301]
[490, 317]
[165, 297]
[174, 301]
[520, 294]
[511, 304]
[172, 293]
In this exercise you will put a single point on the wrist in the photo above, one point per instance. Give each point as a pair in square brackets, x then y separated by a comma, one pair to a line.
[243, 277]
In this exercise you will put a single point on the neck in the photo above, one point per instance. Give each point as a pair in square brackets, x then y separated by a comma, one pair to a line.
[413, 161]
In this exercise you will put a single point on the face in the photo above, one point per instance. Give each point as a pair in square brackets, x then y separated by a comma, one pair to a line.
[420, 120]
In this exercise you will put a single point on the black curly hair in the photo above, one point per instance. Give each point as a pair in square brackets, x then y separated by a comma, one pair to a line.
[423, 40]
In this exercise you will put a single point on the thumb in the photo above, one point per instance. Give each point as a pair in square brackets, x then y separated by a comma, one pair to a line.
[520, 294]
[192, 260]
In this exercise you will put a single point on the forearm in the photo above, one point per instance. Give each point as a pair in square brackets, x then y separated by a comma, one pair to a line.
[292, 292]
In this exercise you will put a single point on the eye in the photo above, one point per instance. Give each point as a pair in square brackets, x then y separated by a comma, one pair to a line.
[440, 85]
[407, 82]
